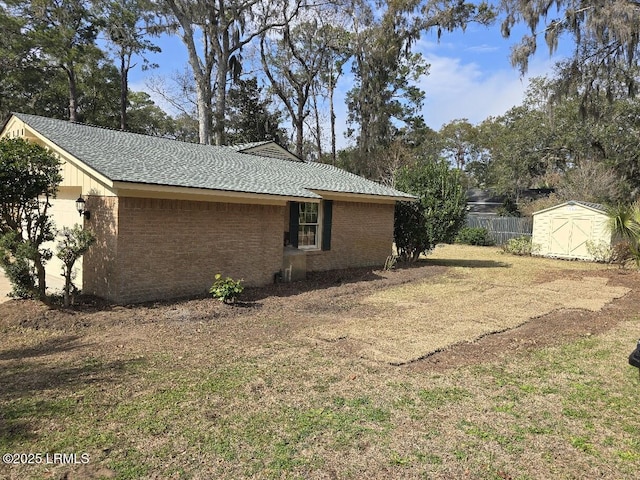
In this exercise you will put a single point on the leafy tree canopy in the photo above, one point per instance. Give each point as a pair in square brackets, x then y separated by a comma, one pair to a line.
[438, 213]
[29, 178]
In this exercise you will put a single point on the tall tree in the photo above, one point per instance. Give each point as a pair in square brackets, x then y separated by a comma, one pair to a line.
[24, 81]
[224, 27]
[146, 117]
[98, 92]
[292, 63]
[249, 118]
[385, 69]
[336, 58]
[194, 19]
[610, 28]
[518, 149]
[128, 24]
[63, 32]
[459, 142]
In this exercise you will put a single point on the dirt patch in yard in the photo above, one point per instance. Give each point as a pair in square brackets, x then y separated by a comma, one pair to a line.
[452, 309]
[554, 328]
[423, 320]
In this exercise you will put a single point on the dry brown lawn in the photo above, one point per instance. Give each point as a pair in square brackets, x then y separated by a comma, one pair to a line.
[300, 381]
[475, 298]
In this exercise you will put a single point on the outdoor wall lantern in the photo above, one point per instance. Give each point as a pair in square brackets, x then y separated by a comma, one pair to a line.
[80, 204]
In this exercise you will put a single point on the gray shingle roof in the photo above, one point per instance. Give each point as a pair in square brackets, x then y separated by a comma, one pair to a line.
[594, 206]
[130, 157]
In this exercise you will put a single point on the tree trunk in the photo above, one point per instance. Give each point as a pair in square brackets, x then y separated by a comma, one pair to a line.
[318, 127]
[124, 91]
[299, 126]
[67, 285]
[203, 94]
[221, 100]
[201, 72]
[332, 115]
[73, 93]
[42, 278]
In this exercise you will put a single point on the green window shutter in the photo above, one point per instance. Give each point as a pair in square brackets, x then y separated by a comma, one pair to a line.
[327, 214]
[293, 223]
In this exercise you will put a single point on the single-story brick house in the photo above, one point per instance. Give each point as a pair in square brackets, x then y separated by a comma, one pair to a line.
[169, 215]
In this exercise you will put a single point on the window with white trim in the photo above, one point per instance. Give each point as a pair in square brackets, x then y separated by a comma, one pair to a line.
[309, 225]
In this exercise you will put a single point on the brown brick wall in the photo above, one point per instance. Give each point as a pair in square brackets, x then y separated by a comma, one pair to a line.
[151, 249]
[173, 248]
[361, 235]
[100, 273]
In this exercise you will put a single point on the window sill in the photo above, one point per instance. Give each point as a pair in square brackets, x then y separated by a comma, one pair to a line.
[310, 250]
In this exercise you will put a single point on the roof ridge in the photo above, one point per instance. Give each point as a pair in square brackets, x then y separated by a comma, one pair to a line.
[112, 129]
[122, 156]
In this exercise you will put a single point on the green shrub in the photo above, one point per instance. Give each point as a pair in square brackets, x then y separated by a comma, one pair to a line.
[600, 252]
[74, 243]
[226, 289]
[474, 236]
[519, 246]
[14, 259]
[437, 214]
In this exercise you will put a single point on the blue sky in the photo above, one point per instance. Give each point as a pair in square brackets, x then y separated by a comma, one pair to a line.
[470, 76]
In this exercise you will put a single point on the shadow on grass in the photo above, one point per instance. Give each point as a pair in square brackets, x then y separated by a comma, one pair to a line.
[252, 297]
[314, 281]
[31, 392]
[22, 380]
[47, 347]
[454, 262]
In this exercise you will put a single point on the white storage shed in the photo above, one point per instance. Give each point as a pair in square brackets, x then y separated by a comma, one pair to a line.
[563, 231]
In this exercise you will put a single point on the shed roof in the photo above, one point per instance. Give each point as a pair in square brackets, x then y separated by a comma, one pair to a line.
[589, 205]
[136, 158]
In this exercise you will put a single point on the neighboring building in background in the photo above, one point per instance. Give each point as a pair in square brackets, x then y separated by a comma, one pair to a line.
[486, 203]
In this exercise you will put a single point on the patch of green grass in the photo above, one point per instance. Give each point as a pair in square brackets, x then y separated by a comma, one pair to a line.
[429, 458]
[507, 407]
[440, 397]
[583, 443]
[129, 465]
[629, 456]
[398, 460]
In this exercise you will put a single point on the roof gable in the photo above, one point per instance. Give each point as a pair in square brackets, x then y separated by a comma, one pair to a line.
[266, 149]
[596, 207]
[135, 158]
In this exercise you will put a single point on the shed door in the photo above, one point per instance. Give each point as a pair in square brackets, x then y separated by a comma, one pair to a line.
[569, 236]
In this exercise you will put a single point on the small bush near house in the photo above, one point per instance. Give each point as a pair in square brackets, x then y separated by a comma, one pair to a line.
[74, 243]
[474, 236]
[226, 289]
[519, 246]
[600, 252]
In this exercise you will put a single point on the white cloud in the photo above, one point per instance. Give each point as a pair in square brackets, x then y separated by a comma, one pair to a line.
[456, 90]
[484, 48]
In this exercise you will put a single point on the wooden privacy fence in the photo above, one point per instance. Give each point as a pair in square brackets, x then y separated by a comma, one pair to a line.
[501, 229]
